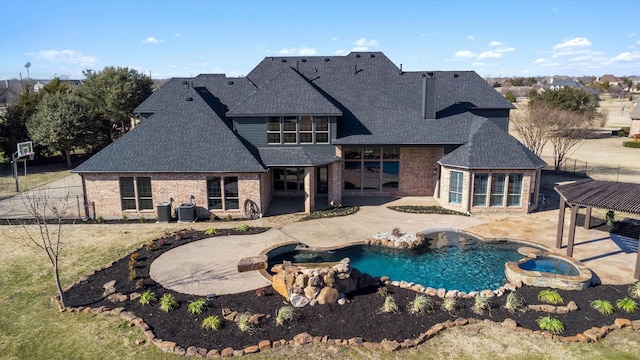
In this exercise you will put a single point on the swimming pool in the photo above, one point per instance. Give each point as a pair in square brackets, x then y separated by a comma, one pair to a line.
[449, 260]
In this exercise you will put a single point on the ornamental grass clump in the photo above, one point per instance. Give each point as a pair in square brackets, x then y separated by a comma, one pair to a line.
[243, 228]
[450, 305]
[627, 304]
[244, 323]
[168, 303]
[284, 314]
[420, 305]
[515, 302]
[197, 306]
[212, 323]
[551, 324]
[603, 306]
[634, 290]
[550, 297]
[481, 303]
[389, 305]
[147, 298]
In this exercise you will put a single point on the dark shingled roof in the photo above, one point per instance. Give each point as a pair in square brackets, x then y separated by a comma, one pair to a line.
[286, 94]
[295, 156]
[489, 148]
[609, 195]
[187, 136]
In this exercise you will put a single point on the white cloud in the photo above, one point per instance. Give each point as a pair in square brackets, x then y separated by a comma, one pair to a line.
[178, 35]
[570, 53]
[627, 56]
[540, 61]
[304, 51]
[307, 51]
[573, 43]
[495, 43]
[67, 56]
[490, 55]
[471, 37]
[364, 42]
[334, 38]
[633, 34]
[341, 52]
[504, 49]
[151, 40]
[464, 54]
[360, 48]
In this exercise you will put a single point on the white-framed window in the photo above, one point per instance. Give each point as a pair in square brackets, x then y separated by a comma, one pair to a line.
[216, 197]
[480, 188]
[497, 190]
[514, 194]
[135, 193]
[455, 187]
[298, 130]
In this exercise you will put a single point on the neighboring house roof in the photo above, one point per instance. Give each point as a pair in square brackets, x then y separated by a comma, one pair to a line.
[635, 113]
[608, 78]
[489, 148]
[187, 136]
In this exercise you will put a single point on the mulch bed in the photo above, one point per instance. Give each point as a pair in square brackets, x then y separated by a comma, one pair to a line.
[358, 318]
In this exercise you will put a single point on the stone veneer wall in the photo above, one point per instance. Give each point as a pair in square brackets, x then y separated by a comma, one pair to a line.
[104, 191]
[529, 186]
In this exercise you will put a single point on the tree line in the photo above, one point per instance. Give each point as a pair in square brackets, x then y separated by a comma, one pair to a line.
[60, 118]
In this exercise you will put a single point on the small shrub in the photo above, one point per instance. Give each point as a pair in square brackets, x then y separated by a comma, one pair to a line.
[450, 305]
[420, 305]
[514, 302]
[382, 291]
[551, 324]
[229, 217]
[132, 265]
[149, 244]
[627, 304]
[243, 228]
[125, 218]
[168, 303]
[284, 314]
[634, 290]
[139, 283]
[631, 144]
[481, 304]
[147, 298]
[211, 231]
[142, 220]
[262, 291]
[212, 323]
[389, 305]
[213, 217]
[132, 274]
[603, 306]
[134, 256]
[244, 323]
[197, 306]
[550, 297]
[160, 243]
[396, 232]
[100, 219]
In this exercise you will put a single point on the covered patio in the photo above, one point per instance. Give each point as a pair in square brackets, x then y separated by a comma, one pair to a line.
[608, 195]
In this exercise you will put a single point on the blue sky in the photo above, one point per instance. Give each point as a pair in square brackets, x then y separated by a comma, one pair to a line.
[186, 38]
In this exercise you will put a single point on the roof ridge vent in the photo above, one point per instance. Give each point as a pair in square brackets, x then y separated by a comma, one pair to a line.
[327, 59]
[372, 55]
[357, 55]
[189, 98]
[456, 75]
[230, 82]
[304, 60]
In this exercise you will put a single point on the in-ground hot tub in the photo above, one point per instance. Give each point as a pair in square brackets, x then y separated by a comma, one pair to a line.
[547, 269]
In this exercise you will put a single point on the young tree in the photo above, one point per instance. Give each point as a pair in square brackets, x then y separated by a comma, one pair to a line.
[114, 93]
[568, 98]
[533, 124]
[568, 130]
[46, 233]
[509, 96]
[62, 122]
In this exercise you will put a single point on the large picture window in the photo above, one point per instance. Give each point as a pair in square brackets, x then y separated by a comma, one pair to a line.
[298, 129]
[371, 168]
[455, 187]
[216, 197]
[135, 193]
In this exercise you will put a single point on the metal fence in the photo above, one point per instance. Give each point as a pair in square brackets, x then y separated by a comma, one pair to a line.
[597, 171]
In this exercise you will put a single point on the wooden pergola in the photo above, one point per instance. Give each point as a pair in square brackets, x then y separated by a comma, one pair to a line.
[608, 195]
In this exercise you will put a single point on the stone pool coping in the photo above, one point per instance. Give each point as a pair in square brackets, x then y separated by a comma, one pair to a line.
[514, 272]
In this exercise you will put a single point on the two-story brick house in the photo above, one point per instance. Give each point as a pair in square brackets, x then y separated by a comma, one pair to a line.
[317, 127]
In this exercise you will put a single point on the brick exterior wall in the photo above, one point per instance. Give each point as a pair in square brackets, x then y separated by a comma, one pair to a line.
[419, 170]
[530, 189]
[104, 191]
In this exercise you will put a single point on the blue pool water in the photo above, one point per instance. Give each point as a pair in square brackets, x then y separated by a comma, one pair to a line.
[550, 265]
[450, 260]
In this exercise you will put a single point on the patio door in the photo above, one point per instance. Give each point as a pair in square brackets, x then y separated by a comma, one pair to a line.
[322, 180]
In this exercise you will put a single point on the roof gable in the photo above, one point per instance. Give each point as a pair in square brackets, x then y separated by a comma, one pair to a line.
[288, 93]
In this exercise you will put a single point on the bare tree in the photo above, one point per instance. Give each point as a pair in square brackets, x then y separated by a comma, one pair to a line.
[533, 124]
[568, 130]
[43, 229]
